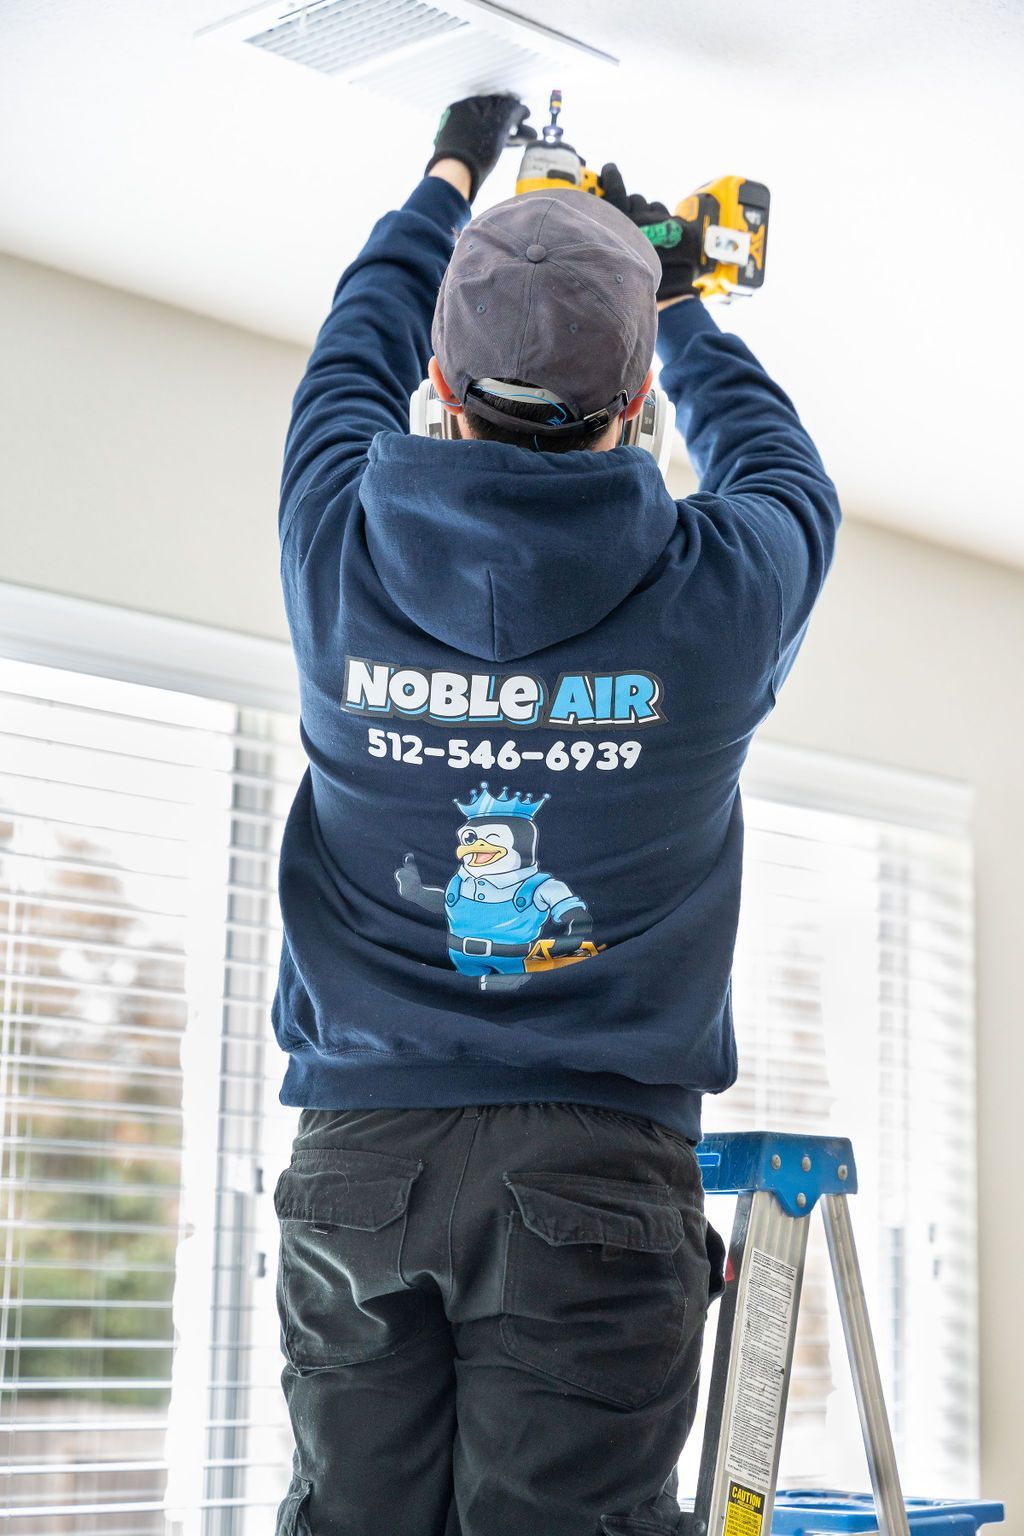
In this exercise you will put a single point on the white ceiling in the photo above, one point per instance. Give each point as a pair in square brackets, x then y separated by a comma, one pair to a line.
[233, 183]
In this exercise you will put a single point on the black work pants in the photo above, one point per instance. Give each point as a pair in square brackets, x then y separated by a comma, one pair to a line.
[492, 1320]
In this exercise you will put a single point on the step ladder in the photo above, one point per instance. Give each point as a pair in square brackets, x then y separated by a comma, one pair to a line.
[780, 1179]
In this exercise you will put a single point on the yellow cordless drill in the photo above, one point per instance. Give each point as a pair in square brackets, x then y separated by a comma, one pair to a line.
[724, 222]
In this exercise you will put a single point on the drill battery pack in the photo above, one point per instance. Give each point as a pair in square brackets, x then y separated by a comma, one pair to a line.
[729, 218]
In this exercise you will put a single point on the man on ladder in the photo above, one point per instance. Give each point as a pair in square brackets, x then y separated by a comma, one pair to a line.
[510, 878]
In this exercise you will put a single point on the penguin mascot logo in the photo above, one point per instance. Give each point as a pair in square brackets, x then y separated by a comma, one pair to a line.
[499, 902]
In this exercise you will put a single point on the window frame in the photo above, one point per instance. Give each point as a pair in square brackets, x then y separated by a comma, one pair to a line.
[130, 646]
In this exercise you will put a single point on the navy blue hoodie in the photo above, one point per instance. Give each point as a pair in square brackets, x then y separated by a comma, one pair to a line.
[529, 682]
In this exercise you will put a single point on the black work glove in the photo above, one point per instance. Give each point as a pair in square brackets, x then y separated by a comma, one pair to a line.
[476, 130]
[675, 242]
[579, 925]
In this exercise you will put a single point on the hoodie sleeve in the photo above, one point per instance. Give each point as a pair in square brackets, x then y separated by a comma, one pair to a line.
[764, 493]
[372, 349]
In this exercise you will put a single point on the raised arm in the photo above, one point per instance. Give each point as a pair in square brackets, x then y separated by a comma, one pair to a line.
[762, 483]
[374, 346]
[764, 498]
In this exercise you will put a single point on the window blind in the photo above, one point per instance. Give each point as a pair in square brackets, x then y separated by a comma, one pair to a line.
[141, 1134]
[138, 837]
[854, 1007]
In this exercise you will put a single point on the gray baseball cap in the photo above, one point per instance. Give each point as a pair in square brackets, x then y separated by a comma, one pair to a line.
[556, 288]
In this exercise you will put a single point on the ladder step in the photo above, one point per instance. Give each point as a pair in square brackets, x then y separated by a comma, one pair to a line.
[815, 1511]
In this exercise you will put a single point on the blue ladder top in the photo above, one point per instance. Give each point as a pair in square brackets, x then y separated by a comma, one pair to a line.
[819, 1512]
[797, 1170]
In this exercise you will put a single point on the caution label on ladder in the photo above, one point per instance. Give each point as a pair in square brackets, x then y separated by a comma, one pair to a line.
[744, 1511]
[757, 1406]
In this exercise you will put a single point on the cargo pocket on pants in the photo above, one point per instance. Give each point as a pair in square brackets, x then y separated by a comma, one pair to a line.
[592, 1295]
[341, 1297]
[292, 1514]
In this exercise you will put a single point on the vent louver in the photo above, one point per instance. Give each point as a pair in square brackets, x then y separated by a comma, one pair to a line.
[340, 38]
[417, 52]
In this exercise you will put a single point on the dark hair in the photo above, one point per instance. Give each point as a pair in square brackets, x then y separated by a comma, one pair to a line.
[526, 411]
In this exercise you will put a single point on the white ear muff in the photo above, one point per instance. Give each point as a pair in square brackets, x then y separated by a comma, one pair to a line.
[427, 416]
[650, 429]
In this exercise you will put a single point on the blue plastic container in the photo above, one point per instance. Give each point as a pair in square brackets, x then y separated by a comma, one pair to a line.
[816, 1511]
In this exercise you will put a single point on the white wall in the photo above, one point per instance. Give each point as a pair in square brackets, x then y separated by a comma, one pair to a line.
[141, 449]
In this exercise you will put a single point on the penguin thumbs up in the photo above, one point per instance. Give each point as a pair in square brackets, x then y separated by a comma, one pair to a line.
[408, 877]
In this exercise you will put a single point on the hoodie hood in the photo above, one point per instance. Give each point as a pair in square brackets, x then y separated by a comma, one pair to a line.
[497, 552]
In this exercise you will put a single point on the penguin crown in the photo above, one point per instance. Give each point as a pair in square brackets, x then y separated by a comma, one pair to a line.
[483, 803]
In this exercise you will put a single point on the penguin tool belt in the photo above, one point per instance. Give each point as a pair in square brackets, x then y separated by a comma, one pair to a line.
[488, 947]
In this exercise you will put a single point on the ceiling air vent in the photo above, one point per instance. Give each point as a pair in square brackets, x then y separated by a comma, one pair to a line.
[417, 52]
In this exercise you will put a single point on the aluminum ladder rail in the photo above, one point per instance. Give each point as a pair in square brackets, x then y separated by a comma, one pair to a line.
[779, 1180]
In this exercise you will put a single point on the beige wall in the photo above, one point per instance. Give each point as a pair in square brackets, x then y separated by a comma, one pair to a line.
[141, 448]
